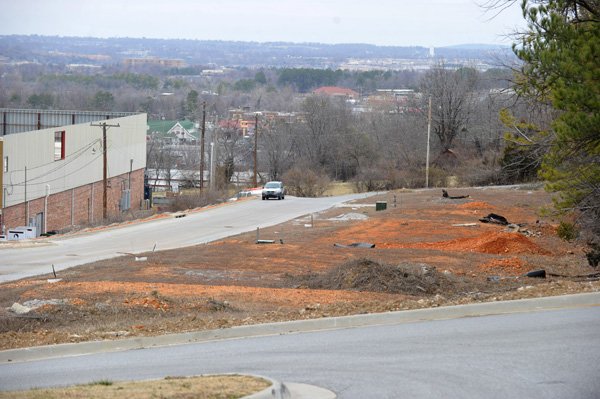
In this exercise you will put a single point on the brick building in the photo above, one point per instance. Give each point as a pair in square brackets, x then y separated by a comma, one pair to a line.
[52, 174]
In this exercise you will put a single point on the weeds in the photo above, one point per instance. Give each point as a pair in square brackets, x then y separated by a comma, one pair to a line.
[106, 383]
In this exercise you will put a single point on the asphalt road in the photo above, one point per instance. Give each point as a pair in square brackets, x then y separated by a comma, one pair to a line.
[544, 354]
[195, 228]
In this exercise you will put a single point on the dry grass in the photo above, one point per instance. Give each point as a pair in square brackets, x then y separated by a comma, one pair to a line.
[340, 188]
[204, 387]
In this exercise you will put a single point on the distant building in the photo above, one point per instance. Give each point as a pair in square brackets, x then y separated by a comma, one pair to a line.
[169, 63]
[52, 167]
[244, 121]
[243, 126]
[173, 132]
[392, 100]
[337, 92]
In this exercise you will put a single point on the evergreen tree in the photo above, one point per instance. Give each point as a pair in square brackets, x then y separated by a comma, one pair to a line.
[560, 53]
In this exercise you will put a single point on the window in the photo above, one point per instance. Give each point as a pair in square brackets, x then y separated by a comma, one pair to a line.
[59, 145]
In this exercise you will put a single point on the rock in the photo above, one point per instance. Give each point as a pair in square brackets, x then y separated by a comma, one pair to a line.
[17, 308]
[527, 287]
[37, 303]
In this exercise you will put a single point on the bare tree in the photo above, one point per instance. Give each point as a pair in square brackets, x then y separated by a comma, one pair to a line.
[452, 93]
[233, 150]
[327, 127]
[275, 140]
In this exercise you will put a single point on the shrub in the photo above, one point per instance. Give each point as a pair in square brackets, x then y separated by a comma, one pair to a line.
[567, 231]
[305, 182]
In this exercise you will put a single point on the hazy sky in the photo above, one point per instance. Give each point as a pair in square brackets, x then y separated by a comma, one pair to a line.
[383, 22]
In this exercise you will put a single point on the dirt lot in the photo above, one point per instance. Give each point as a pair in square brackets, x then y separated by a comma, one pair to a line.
[420, 259]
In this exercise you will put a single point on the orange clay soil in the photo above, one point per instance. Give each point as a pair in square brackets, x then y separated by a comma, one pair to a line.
[236, 282]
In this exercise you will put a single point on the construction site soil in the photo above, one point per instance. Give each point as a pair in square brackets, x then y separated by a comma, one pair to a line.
[428, 251]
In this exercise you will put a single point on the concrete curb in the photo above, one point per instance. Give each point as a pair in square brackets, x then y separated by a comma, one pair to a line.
[290, 390]
[331, 323]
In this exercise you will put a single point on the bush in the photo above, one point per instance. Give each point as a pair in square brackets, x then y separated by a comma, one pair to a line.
[567, 231]
[304, 182]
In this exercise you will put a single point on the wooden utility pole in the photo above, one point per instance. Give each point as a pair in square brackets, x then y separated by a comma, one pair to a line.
[254, 180]
[26, 203]
[428, 136]
[202, 145]
[105, 127]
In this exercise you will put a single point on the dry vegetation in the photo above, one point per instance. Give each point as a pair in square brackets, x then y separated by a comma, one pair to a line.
[429, 251]
[205, 387]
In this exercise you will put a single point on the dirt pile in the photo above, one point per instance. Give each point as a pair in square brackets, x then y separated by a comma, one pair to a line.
[368, 275]
[490, 243]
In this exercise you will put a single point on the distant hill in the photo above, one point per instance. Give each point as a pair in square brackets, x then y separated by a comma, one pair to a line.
[97, 51]
[478, 46]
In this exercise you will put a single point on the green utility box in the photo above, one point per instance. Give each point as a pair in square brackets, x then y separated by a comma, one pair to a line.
[380, 206]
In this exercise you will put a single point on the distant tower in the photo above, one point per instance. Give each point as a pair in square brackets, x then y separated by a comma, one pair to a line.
[431, 52]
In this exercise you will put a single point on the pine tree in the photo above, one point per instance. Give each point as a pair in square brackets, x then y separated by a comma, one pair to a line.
[560, 53]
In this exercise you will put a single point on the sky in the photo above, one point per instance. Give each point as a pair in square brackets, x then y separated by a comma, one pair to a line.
[429, 23]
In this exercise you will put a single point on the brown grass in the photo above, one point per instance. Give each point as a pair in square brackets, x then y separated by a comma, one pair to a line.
[204, 387]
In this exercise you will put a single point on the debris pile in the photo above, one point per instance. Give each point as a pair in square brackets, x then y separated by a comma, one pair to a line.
[446, 195]
[350, 216]
[368, 275]
[494, 218]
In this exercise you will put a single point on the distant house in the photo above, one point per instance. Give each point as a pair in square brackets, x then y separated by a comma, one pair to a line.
[335, 91]
[243, 127]
[173, 132]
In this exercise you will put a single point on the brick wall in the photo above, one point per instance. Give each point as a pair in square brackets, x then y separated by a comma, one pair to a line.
[80, 206]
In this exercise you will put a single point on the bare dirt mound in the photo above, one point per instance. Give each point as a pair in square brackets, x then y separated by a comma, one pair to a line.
[490, 243]
[368, 275]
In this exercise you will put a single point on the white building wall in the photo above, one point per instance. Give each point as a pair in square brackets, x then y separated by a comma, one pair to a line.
[83, 163]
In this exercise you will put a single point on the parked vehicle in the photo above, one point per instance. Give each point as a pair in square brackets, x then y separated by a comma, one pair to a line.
[273, 189]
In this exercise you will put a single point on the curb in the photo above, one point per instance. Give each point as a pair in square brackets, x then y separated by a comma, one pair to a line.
[290, 390]
[331, 323]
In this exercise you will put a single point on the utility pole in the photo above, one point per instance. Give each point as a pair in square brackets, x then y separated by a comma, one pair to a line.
[26, 202]
[254, 180]
[212, 166]
[105, 127]
[202, 145]
[428, 136]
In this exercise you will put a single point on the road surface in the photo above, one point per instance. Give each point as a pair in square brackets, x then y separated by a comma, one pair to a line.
[543, 354]
[195, 228]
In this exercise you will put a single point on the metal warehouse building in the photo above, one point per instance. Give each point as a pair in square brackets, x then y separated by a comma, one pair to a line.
[69, 168]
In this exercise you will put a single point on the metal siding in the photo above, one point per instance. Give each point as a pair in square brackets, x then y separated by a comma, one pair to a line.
[24, 120]
[1, 175]
[83, 158]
